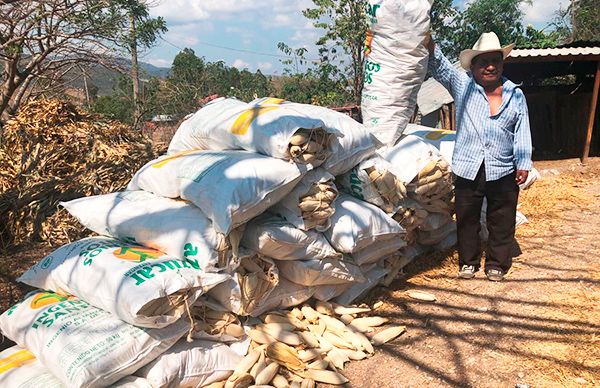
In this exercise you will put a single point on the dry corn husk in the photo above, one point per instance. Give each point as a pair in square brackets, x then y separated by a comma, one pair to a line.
[260, 337]
[259, 366]
[243, 381]
[217, 384]
[349, 310]
[337, 357]
[309, 339]
[326, 376]
[295, 384]
[324, 308]
[346, 318]
[280, 382]
[310, 314]
[318, 364]
[421, 295]
[366, 323]
[309, 354]
[290, 319]
[246, 363]
[387, 335]
[285, 356]
[308, 383]
[267, 374]
[277, 332]
[309, 145]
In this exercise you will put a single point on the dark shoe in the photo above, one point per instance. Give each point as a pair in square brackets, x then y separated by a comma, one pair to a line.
[495, 275]
[467, 272]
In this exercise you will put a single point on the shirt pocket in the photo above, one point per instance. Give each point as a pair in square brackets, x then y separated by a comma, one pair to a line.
[507, 120]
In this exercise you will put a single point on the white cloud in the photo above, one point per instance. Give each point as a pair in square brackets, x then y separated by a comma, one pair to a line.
[182, 11]
[264, 66]
[541, 12]
[280, 20]
[240, 64]
[159, 62]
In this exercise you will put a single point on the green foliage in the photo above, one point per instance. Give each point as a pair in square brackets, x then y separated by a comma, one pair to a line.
[192, 79]
[119, 105]
[585, 18]
[456, 30]
[345, 27]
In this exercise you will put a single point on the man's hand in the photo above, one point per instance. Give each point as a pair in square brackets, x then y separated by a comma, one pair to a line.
[521, 176]
[429, 43]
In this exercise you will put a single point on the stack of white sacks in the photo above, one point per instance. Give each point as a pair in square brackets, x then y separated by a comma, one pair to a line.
[256, 207]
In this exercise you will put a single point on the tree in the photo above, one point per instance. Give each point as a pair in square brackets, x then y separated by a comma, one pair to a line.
[585, 19]
[42, 40]
[504, 17]
[443, 19]
[138, 33]
[345, 28]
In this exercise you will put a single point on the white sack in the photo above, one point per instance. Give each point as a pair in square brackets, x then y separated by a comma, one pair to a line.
[353, 143]
[82, 345]
[378, 250]
[174, 227]
[230, 124]
[20, 369]
[250, 285]
[442, 139]
[272, 236]
[357, 224]
[327, 292]
[532, 177]
[319, 272]
[286, 294]
[288, 207]
[230, 187]
[359, 290]
[437, 235]
[191, 364]
[395, 64]
[382, 193]
[141, 286]
[409, 157]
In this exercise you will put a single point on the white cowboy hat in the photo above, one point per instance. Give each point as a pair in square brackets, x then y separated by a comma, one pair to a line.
[488, 42]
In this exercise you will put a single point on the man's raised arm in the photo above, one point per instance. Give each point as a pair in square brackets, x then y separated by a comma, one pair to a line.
[442, 70]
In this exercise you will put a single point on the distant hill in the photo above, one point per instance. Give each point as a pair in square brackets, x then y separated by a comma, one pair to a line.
[105, 79]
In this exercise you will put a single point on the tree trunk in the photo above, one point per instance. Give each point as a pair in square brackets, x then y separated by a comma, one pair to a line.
[134, 70]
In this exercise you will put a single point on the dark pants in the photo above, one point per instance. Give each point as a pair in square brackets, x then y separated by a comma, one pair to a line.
[502, 196]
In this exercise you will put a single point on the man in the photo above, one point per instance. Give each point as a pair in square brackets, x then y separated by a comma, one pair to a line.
[492, 154]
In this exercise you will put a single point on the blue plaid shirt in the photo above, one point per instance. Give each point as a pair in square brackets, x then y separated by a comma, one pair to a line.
[502, 141]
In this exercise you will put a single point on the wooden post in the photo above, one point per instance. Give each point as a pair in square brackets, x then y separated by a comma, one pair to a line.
[592, 116]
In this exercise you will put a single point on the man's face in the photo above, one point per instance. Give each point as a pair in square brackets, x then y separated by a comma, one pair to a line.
[487, 68]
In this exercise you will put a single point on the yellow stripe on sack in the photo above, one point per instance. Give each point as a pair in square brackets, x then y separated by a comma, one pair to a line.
[16, 360]
[245, 119]
[438, 134]
[272, 101]
[173, 157]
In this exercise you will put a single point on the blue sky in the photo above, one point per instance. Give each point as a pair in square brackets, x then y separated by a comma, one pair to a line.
[251, 29]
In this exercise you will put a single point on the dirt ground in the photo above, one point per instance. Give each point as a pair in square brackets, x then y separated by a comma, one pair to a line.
[540, 327]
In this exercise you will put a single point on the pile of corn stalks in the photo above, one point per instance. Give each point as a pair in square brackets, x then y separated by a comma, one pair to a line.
[307, 345]
[51, 152]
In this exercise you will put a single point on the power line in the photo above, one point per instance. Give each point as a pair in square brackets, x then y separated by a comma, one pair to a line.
[236, 49]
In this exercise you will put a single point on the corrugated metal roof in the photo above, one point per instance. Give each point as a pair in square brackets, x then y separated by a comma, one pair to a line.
[554, 52]
[433, 95]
